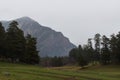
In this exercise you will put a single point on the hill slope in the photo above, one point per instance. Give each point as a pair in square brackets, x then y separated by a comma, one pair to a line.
[49, 42]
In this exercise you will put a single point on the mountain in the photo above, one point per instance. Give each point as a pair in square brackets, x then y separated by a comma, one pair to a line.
[49, 42]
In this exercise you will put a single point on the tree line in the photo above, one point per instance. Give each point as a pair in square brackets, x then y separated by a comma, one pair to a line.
[103, 50]
[98, 50]
[15, 47]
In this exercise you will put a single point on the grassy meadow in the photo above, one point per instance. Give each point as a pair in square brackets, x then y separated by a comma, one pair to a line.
[10, 71]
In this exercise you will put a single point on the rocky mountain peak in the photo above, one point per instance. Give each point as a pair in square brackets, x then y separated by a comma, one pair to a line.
[25, 18]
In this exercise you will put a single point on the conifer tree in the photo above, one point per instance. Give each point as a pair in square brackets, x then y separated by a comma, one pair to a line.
[2, 41]
[15, 42]
[97, 46]
[105, 52]
[31, 55]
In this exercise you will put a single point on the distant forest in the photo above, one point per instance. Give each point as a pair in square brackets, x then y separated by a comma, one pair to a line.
[99, 50]
[106, 51]
[15, 47]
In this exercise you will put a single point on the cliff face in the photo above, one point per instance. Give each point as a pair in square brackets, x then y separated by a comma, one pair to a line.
[49, 42]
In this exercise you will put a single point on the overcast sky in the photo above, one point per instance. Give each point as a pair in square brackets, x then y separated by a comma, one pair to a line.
[76, 19]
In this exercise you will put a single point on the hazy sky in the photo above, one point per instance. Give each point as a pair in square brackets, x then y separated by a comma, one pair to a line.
[76, 19]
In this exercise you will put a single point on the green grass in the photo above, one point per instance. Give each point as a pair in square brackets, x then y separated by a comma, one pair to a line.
[29, 72]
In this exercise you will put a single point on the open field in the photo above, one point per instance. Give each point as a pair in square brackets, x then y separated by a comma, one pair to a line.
[28, 72]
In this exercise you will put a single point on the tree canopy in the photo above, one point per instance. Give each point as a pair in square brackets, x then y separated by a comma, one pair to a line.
[15, 47]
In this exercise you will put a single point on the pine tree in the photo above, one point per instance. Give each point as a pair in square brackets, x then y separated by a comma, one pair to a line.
[105, 52]
[2, 41]
[15, 42]
[118, 48]
[90, 50]
[73, 55]
[115, 48]
[97, 47]
[82, 61]
[31, 55]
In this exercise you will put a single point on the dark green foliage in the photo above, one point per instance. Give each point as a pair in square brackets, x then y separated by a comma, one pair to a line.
[97, 47]
[15, 42]
[115, 48]
[79, 56]
[31, 54]
[73, 55]
[2, 41]
[82, 61]
[45, 61]
[105, 52]
[90, 51]
[56, 61]
[14, 47]
[118, 48]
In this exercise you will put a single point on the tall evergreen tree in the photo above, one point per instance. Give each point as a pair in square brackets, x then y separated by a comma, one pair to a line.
[114, 48]
[82, 61]
[79, 55]
[31, 55]
[105, 52]
[91, 51]
[15, 42]
[118, 47]
[97, 46]
[2, 41]
[73, 54]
